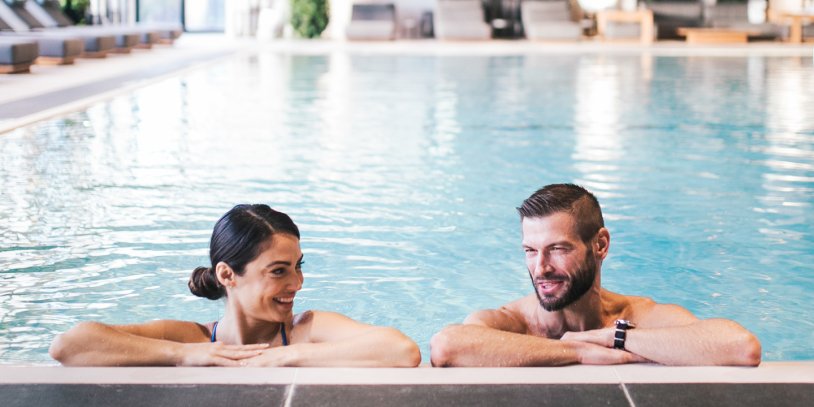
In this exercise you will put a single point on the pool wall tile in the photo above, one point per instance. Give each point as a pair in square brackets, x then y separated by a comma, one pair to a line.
[124, 395]
[773, 372]
[428, 375]
[721, 395]
[463, 395]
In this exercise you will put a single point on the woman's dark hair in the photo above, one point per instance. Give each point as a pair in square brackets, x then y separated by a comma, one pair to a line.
[238, 238]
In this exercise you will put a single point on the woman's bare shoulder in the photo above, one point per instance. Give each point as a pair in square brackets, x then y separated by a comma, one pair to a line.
[172, 330]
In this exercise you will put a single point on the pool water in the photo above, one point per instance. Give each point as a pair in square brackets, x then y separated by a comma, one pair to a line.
[403, 173]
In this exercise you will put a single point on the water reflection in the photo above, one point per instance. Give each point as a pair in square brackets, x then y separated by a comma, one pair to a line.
[403, 173]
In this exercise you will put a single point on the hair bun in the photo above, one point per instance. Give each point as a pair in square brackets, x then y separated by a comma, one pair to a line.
[203, 283]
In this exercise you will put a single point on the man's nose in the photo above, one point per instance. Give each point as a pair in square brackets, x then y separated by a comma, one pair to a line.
[542, 264]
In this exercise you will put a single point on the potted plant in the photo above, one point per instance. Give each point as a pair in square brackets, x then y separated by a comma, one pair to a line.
[309, 17]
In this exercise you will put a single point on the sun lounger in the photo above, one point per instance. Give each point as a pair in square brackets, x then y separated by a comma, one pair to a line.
[53, 48]
[671, 15]
[56, 50]
[461, 20]
[17, 55]
[735, 16]
[125, 40]
[18, 19]
[549, 20]
[149, 33]
[372, 21]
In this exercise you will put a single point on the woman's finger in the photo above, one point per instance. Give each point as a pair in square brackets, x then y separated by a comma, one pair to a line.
[253, 346]
[239, 354]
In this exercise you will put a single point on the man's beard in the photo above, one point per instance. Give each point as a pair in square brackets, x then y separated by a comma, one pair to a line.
[578, 285]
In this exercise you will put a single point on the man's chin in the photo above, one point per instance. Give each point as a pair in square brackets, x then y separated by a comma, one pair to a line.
[552, 303]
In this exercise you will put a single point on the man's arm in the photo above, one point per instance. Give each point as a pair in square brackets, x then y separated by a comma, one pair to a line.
[671, 335]
[499, 338]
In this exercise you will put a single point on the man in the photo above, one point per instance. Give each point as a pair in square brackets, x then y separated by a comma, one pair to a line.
[570, 318]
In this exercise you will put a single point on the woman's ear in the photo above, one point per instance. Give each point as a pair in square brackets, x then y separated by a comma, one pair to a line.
[225, 274]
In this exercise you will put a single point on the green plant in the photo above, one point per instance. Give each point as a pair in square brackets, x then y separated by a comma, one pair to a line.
[76, 10]
[309, 17]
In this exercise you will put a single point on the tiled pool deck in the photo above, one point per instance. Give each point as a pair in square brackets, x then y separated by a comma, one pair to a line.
[773, 383]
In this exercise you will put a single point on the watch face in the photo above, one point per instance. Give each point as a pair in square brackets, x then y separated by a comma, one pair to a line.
[624, 324]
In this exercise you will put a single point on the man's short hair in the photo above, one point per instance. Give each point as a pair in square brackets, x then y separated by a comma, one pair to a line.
[572, 199]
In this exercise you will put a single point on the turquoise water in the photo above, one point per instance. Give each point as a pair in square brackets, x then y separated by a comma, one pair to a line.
[404, 172]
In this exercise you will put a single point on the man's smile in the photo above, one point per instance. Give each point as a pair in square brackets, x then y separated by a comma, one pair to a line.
[549, 287]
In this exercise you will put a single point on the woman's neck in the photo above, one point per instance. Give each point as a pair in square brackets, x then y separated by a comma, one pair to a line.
[236, 328]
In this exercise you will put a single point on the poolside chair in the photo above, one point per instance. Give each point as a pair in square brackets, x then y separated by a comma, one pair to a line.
[59, 49]
[778, 7]
[17, 55]
[23, 23]
[549, 20]
[372, 21]
[735, 16]
[671, 15]
[461, 20]
[165, 32]
[125, 39]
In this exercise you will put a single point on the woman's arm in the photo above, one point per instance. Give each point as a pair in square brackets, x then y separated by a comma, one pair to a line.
[335, 340]
[157, 343]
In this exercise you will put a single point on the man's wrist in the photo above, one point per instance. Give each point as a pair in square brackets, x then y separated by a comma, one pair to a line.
[620, 333]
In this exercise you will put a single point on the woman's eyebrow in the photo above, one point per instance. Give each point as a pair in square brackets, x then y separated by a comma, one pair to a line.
[278, 262]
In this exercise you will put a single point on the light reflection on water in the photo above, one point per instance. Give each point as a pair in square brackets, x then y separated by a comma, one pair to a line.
[403, 173]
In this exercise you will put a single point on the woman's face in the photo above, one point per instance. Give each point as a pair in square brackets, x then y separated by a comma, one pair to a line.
[267, 288]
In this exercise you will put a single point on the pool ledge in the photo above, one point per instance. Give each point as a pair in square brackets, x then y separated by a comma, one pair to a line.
[768, 372]
[774, 383]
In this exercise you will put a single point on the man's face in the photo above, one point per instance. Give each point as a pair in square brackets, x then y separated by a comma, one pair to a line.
[562, 268]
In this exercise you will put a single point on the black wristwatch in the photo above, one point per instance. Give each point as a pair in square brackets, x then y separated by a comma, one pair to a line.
[622, 325]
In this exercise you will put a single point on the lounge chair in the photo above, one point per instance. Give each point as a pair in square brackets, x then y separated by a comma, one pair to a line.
[125, 40]
[17, 55]
[22, 22]
[151, 32]
[461, 20]
[671, 15]
[735, 16]
[53, 48]
[549, 20]
[372, 21]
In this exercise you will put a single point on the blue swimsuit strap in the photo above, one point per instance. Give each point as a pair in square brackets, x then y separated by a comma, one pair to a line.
[282, 331]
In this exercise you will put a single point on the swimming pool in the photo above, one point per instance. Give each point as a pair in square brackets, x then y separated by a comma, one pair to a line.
[403, 173]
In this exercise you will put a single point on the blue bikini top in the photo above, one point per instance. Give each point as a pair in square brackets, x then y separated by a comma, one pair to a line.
[282, 332]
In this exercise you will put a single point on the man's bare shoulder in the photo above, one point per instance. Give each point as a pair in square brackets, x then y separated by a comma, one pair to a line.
[511, 317]
[651, 314]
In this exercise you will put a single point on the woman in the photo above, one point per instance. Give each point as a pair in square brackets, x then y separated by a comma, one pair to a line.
[257, 265]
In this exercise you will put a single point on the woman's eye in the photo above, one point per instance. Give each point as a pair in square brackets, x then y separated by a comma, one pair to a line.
[278, 272]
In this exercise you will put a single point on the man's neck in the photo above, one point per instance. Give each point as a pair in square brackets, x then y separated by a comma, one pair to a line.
[593, 310]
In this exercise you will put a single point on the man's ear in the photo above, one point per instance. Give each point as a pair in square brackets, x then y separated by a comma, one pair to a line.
[225, 274]
[602, 243]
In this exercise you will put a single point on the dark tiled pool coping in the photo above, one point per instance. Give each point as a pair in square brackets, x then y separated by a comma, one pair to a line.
[775, 383]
